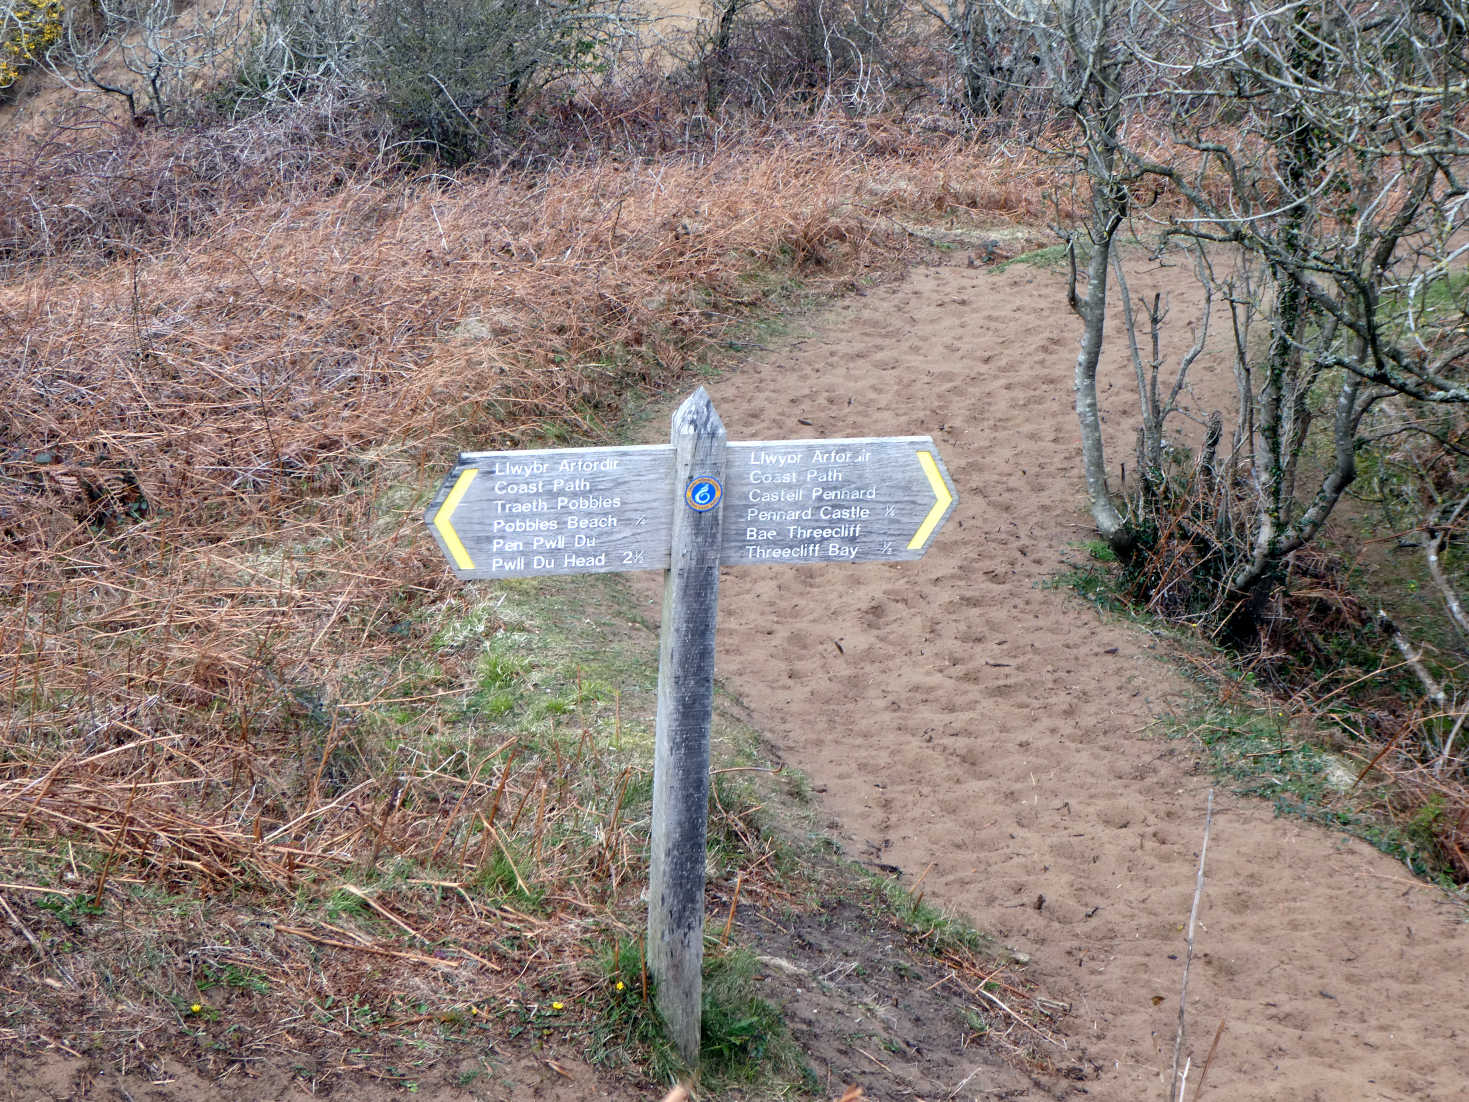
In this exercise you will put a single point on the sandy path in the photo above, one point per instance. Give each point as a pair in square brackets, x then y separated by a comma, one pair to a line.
[973, 720]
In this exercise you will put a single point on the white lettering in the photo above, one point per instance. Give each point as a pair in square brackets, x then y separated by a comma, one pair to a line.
[587, 504]
[504, 487]
[588, 465]
[849, 512]
[582, 562]
[518, 467]
[773, 459]
[777, 495]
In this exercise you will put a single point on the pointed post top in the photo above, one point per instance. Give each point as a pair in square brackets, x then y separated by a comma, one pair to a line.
[698, 417]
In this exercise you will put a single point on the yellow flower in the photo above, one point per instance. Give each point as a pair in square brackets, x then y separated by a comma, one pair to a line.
[558, 1006]
[196, 1008]
[31, 28]
[620, 985]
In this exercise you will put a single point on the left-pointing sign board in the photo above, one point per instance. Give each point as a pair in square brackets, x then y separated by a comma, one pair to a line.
[559, 511]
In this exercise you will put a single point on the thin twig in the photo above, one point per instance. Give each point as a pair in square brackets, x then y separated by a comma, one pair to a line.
[24, 931]
[733, 903]
[1414, 658]
[1175, 1084]
[1042, 1034]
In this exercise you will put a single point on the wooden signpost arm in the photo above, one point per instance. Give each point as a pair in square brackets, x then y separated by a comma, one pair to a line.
[685, 709]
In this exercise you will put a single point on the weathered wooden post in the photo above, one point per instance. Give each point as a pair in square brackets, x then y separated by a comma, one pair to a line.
[685, 709]
[687, 507]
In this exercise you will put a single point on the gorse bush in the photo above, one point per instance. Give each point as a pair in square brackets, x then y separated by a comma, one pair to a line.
[451, 74]
[453, 71]
[28, 28]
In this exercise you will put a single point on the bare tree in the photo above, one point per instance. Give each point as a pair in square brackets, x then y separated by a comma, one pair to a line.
[995, 56]
[1314, 149]
[302, 47]
[847, 54]
[1323, 142]
[715, 60]
[1155, 405]
[1081, 47]
[451, 70]
[155, 55]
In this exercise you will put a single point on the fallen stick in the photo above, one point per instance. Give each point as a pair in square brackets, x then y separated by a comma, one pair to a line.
[1175, 1087]
[1042, 1034]
[1414, 658]
[964, 1082]
[1432, 546]
[25, 932]
[417, 958]
[1448, 744]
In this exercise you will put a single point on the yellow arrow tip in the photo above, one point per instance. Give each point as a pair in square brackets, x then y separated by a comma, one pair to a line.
[942, 500]
[443, 518]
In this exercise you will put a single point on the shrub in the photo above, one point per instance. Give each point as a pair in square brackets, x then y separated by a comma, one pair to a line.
[453, 71]
[450, 73]
[28, 28]
[302, 47]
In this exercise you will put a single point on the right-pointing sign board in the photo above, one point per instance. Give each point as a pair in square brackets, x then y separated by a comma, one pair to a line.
[869, 499]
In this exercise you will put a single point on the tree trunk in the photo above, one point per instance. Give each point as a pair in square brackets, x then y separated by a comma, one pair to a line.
[1093, 310]
[1098, 108]
[717, 61]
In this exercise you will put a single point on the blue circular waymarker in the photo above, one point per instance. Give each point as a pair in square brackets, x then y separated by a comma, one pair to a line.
[703, 494]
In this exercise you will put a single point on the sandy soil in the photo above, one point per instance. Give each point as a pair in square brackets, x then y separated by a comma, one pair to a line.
[958, 717]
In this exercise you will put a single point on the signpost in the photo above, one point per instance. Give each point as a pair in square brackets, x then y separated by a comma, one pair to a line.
[687, 508]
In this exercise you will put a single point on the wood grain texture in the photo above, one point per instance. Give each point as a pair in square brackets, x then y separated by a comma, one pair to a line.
[685, 708]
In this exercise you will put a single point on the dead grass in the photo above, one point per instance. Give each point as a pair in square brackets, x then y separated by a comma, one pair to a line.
[227, 702]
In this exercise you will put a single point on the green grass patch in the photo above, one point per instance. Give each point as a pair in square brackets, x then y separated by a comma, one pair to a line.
[1256, 748]
[1050, 256]
[232, 976]
[743, 1039]
[934, 928]
[1090, 570]
[1257, 753]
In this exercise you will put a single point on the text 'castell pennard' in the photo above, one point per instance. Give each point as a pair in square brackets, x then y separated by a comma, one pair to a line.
[688, 507]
